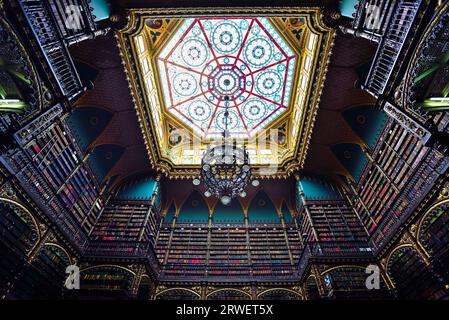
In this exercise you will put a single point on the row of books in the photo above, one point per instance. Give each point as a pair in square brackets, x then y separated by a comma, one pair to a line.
[409, 170]
[334, 221]
[119, 221]
[56, 159]
[224, 247]
[397, 154]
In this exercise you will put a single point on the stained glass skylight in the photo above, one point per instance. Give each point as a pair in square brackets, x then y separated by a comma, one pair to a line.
[211, 64]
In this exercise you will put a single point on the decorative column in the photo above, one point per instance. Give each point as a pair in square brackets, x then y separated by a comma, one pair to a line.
[284, 229]
[209, 239]
[136, 280]
[150, 211]
[319, 281]
[306, 210]
[248, 246]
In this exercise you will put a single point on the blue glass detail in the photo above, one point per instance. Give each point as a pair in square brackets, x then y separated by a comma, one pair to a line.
[101, 9]
[226, 59]
[347, 7]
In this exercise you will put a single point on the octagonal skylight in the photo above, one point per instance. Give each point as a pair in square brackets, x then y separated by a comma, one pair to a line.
[211, 64]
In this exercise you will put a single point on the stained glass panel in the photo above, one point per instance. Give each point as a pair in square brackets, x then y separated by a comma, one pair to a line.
[211, 64]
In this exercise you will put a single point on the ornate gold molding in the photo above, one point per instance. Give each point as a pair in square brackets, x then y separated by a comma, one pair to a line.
[164, 165]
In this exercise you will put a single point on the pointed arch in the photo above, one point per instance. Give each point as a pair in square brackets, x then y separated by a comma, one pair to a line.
[318, 188]
[87, 123]
[103, 158]
[262, 209]
[139, 187]
[367, 121]
[194, 209]
[228, 214]
[352, 157]
[170, 214]
[286, 213]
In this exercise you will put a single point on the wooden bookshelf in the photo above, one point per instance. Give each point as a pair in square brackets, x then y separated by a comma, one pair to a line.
[332, 220]
[127, 221]
[195, 251]
[56, 157]
[400, 175]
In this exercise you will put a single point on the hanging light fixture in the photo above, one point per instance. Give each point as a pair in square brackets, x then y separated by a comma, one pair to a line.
[225, 168]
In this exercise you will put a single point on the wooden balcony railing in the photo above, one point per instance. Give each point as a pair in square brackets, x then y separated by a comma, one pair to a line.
[389, 22]
[56, 24]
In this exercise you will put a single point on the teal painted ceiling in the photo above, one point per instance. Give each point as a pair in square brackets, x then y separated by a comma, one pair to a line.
[141, 188]
[262, 209]
[194, 210]
[103, 158]
[228, 214]
[86, 72]
[170, 214]
[287, 214]
[87, 123]
[367, 121]
[317, 188]
[352, 157]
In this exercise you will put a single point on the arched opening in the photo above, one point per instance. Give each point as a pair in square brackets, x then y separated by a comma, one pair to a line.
[434, 236]
[279, 294]
[177, 294]
[229, 294]
[46, 275]
[411, 276]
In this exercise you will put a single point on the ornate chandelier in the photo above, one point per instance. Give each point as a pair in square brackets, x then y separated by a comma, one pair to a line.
[225, 169]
